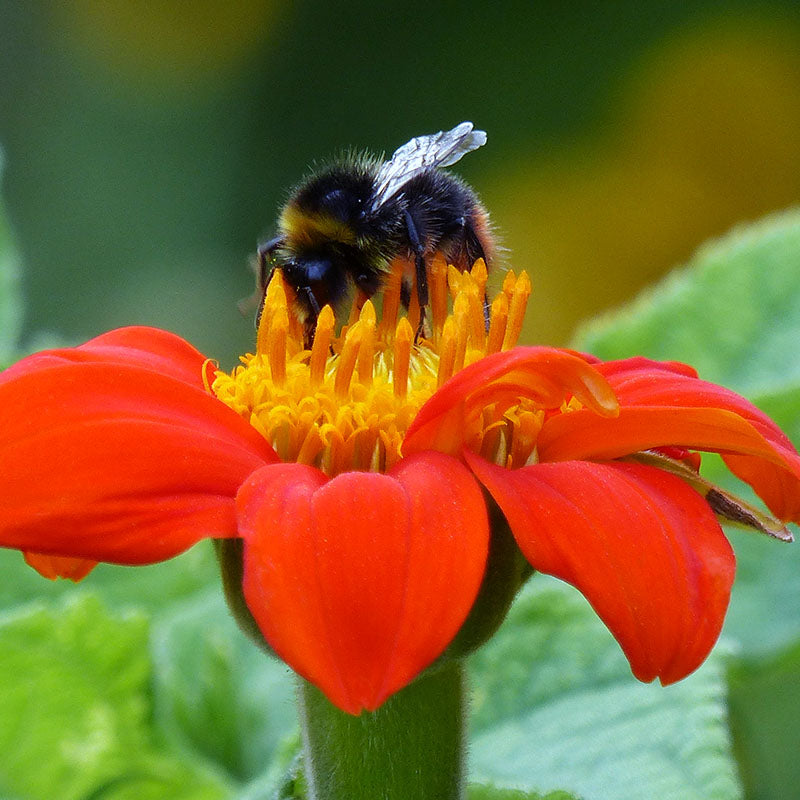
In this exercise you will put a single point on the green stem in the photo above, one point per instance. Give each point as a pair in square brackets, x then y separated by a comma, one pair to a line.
[411, 747]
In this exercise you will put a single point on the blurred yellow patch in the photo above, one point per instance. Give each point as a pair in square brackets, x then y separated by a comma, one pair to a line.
[706, 136]
[181, 44]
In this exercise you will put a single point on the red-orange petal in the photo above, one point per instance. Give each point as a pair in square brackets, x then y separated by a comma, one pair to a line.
[546, 375]
[642, 546]
[152, 349]
[639, 382]
[583, 434]
[778, 484]
[662, 405]
[622, 366]
[52, 567]
[361, 581]
[105, 455]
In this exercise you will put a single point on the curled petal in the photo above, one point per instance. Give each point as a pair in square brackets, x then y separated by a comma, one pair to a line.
[582, 434]
[639, 382]
[361, 581]
[642, 546]
[545, 375]
[663, 405]
[779, 488]
[106, 456]
[618, 369]
[776, 481]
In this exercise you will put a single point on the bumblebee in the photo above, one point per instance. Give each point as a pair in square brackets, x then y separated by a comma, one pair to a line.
[354, 222]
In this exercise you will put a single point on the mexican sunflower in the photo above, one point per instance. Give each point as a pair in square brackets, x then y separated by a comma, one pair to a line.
[362, 475]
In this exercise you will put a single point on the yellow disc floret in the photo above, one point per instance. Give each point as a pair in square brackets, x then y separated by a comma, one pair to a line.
[347, 402]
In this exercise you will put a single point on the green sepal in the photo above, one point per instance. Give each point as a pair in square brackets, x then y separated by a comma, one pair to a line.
[230, 557]
[506, 573]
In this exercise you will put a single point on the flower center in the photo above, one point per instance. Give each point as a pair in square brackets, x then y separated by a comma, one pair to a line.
[347, 402]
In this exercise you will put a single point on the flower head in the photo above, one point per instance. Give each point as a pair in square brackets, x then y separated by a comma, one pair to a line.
[356, 474]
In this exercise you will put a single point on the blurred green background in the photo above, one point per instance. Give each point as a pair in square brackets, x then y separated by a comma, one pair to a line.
[149, 145]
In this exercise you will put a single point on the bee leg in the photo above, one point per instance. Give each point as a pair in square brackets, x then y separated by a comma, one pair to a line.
[311, 324]
[312, 301]
[421, 270]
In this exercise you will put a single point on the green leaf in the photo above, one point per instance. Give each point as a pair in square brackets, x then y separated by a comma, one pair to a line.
[290, 785]
[220, 695]
[152, 588]
[556, 706]
[10, 292]
[734, 313]
[74, 694]
[764, 709]
[764, 615]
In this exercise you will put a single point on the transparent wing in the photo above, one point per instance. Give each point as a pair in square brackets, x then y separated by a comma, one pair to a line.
[422, 152]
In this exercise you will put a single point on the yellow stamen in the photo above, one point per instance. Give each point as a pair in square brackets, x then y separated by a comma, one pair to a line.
[331, 455]
[509, 282]
[477, 325]
[480, 275]
[526, 426]
[296, 331]
[274, 300]
[206, 364]
[366, 353]
[461, 316]
[321, 345]
[454, 281]
[447, 352]
[276, 346]
[310, 448]
[347, 360]
[391, 300]
[497, 324]
[403, 338]
[438, 294]
[516, 310]
[347, 402]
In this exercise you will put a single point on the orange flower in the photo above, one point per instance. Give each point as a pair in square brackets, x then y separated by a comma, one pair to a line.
[354, 474]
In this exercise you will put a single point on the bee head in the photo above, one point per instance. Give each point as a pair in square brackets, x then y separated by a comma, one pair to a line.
[307, 270]
[317, 277]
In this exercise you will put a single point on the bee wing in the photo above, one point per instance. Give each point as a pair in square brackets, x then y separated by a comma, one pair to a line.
[423, 152]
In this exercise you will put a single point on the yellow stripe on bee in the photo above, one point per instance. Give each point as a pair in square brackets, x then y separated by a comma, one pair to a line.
[309, 228]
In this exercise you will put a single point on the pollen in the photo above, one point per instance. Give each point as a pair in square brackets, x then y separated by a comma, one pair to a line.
[346, 401]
